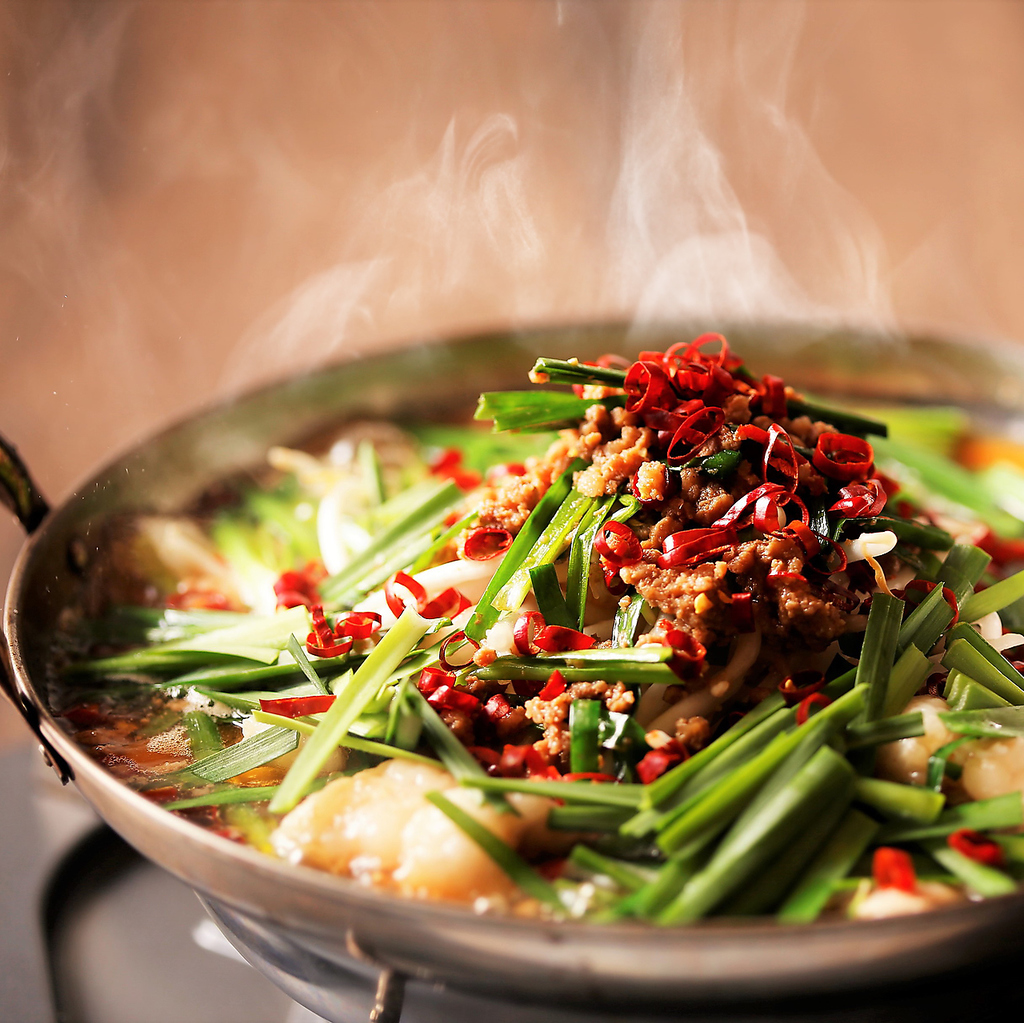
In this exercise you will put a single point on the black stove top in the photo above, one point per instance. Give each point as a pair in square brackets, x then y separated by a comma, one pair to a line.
[96, 934]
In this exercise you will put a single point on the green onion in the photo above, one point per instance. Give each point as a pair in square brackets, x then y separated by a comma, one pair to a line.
[426, 559]
[879, 651]
[963, 567]
[908, 675]
[986, 881]
[335, 724]
[623, 874]
[585, 817]
[535, 410]
[995, 723]
[989, 652]
[805, 903]
[632, 666]
[553, 540]
[295, 649]
[999, 812]
[1013, 846]
[825, 777]
[842, 420]
[962, 656]
[939, 761]
[504, 855]
[580, 558]
[964, 693]
[996, 597]
[550, 602]
[649, 901]
[903, 802]
[584, 724]
[926, 623]
[526, 539]
[593, 793]
[404, 723]
[874, 733]
[718, 466]
[224, 797]
[627, 618]
[370, 567]
[246, 755]
[458, 761]
[373, 476]
[249, 677]
[572, 371]
[203, 735]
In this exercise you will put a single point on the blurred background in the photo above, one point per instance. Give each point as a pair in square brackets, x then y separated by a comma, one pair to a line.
[199, 197]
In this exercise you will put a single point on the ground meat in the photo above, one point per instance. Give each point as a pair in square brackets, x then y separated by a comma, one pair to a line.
[652, 481]
[692, 733]
[615, 461]
[510, 724]
[508, 505]
[553, 715]
[737, 409]
[461, 725]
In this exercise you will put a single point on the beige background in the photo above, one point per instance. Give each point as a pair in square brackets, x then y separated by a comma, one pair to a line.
[198, 196]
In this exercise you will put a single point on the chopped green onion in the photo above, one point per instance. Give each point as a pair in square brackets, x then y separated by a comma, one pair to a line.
[994, 723]
[592, 793]
[503, 854]
[902, 802]
[998, 812]
[643, 665]
[879, 651]
[987, 881]
[248, 678]
[224, 797]
[203, 735]
[580, 558]
[526, 539]
[426, 559]
[584, 726]
[989, 652]
[996, 597]
[295, 649]
[908, 675]
[874, 733]
[373, 475]
[535, 410]
[587, 817]
[385, 657]
[964, 693]
[805, 903]
[963, 567]
[627, 618]
[623, 874]
[246, 755]
[939, 761]
[550, 602]
[926, 623]
[572, 371]
[962, 656]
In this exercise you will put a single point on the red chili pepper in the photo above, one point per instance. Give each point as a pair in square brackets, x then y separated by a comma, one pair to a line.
[689, 546]
[693, 433]
[358, 624]
[448, 465]
[809, 541]
[556, 639]
[893, 868]
[841, 456]
[612, 580]
[300, 587]
[555, 687]
[483, 543]
[448, 604]
[449, 698]
[497, 708]
[798, 686]
[433, 678]
[459, 639]
[414, 589]
[780, 455]
[688, 654]
[693, 350]
[655, 763]
[191, 599]
[860, 500]
[803, 710]
[742, 611]
[526, 688]
[647, 386]
[740, 508]
[773, 396]
[332, 649]
[517, 761]
[1004, 552]
[747, 431]
[977, 847]
[298, 706]
[947, 595]
[597, 776]
[525, 631]
[489, 758]
[617, 543]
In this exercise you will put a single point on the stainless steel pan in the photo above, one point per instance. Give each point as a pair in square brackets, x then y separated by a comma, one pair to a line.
[327, 919]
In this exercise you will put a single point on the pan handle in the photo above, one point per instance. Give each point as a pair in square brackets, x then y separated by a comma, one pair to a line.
[19, 493]
[18, 490]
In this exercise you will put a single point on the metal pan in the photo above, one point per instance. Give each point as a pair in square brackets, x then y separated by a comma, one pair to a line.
[328, 919]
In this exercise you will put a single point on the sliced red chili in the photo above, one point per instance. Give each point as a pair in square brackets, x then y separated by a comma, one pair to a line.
[450, 698]
[747, 431]
[557, 639]
[524, 633]
[800, 685]
[358, 624]
[1003, 552]
[497, 708]
[860, 500]
[612, 580]
[489, 758]
[655, 763]
[773, 396]
[598, 776]
[555, 687]
[693, 433]
[747, 501]
[893, 868]
[742, 610]
[688, 653]
[647, 386]
[459, 639]
[689, 546]
[433, 678]
[617, 543]
[484, 543]
[448, 604]
[977, 847]
[809, 541]
[780, 455]
[414, 589]
[841, 456]
[331, 649]
[448, 465]
[321, 627]
[517, 761]
[803, 710]
[298, 706]
[693, 350]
